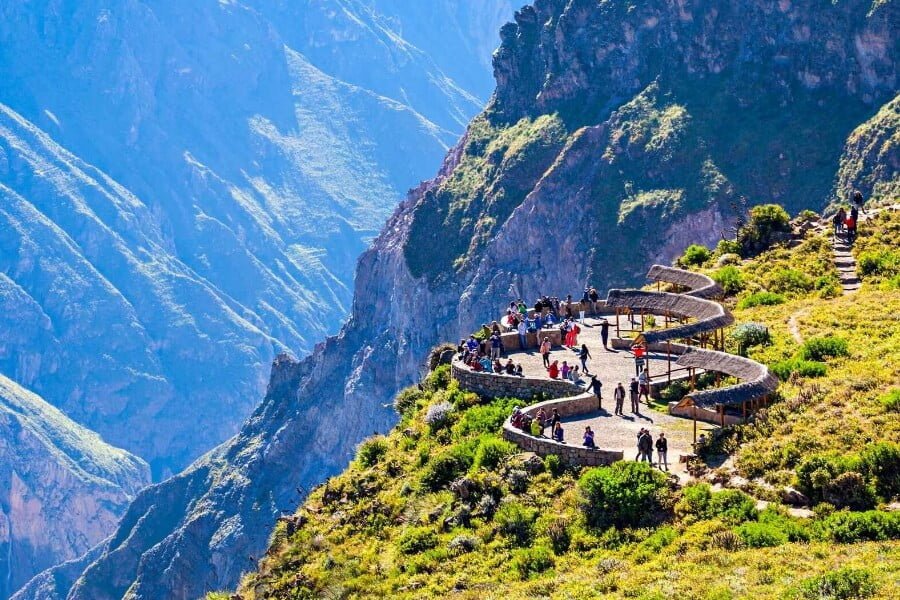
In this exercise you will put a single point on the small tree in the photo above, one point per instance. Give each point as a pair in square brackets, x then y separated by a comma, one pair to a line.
[768, 224]
[627, 494]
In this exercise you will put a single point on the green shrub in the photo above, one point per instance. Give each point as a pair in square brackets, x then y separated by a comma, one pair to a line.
[851, 527]
[554, 465]
[730, 279]
[727, 247]
[372, 450]
[659, 539]
[408, 400]
[891, 401]
[557, 532]
[694, 256]
[484, 419]
[883, 263]
[439, 415]
[760, 299]
[444, 468]
[820, 348]
[817, 471]
[804, 368]
[849, 490]
[844, 584]
[796, 530]
[732, 506]
[491, 451]
[516, 522]
[768, 224]
[761, 535]
[439, 379]
[417, 539]
[880, 463]
[625, 494]
[694, 501]
[789, 281]
[528, 562]
[748, 335]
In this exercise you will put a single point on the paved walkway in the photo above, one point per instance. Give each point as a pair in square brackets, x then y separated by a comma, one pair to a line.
[611, 431]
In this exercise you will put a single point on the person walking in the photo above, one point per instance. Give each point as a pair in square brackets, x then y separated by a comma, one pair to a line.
[633, 388]
[584, 355]
[545, 352]
[619, 397]
[604, 333]
[645, 444]
[662, 449]
[858, 201]
[597, 388]
[640, 452]
[644, 387]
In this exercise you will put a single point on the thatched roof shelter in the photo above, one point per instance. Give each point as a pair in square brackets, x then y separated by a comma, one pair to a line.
[756, 380]
[700, 285]
[709, 315]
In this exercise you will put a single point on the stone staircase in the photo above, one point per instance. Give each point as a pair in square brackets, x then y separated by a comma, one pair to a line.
[845, 264]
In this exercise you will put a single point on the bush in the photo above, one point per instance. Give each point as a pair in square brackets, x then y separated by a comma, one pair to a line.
[804, 368]
[817, 471]
[796, 530]
[728, 259]
[694, 256]
[626, 494]
[462, 544]
[372, 450]
[884, 263]
[531, 561]
[730, 279]
[694, 501]
[444, 468]
[491, 451]
[870, 526]
[554, 465]
[768, 224]
[439, 415]
[849, 490]
[760, 299]
[820, 348]
[727, 247]
[761, 535]
[558, 533]
[789, 281]
[843, 584]
[891, 401]
[748, 335]
[417, 539]
[732, 506]
[479, 420]
[516, 522]
[439, 379]
[880, 463]
[407, 400]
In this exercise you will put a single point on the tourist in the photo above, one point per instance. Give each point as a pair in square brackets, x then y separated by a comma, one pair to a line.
[538, 321]
[495, 345]
[519, 372]
[584, 355]
[640, 435]
[476, 365]
[634, 388]
[597, 388]
[644, 381]
[572, 335]
[851, 224]
[589, 438]
[595, 298]
[537, 430]
[569, 313]
[838, 220]
[523, 310]
[558, 432]
[545, 352]
[564, 370]
[555, 418]
[574, 375]
[510, 368]
[486, 365]
[523, 335]
[553, 370]
[858, 201]
[516, 418]
[662, 448]
[541, 419]
[645, 445]
[462, 350]
[619, 397]
[604, 333]
[497, 367]
[585, 302]
[472, 344]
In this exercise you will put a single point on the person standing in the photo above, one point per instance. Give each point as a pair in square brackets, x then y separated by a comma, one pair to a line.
[662, 449]
[634, 388]
[619, 397]
[545, 352]
[644, 381]
[523, 335]
[495, 346]
[645, 444]
[584, 355]
[604, 333]
[640, 451]
[597, 388]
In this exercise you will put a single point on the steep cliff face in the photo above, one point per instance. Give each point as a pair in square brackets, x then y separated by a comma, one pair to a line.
[591, 162]
[62, 489]
[225, 164]
[871, 159]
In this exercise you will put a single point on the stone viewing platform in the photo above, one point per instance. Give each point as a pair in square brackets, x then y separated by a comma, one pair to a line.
[668, 357]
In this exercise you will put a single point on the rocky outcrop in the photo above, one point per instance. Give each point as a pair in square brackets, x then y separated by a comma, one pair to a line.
[592, 153]
[184, 191]
[871, 159]
[62, 489]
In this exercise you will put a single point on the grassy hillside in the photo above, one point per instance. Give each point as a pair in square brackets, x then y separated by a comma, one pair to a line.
[442, 506]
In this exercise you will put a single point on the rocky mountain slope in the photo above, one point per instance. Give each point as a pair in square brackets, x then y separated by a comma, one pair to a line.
[62, 489]
[619, 133]
[225, 163]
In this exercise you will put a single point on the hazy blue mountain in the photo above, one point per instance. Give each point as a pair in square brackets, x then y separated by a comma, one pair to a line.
[185, 188]
[62, 489]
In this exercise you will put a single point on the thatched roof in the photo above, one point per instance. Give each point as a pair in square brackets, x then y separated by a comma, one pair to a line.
[756, 380]
[709, 315]
[700, 285]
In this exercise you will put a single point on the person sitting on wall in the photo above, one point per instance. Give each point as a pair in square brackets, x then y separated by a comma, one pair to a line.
[519, 372]
[542, 419]
[536, 429]
[516, 418]
[472, 344]
[575, 375]
[510, 369]
[486, 364]
[589, 438]
[553, 370]
[564, 370]
[558, 432]
[496, 366]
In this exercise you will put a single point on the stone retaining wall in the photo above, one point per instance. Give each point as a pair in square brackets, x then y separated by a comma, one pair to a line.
[492, 385]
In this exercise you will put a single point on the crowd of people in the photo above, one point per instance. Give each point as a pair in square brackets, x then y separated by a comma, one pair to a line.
[845, 223]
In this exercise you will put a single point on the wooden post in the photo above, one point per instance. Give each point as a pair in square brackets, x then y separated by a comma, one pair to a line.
[642, 320]
[618, 333]
[744, 410]
[722, 415]
[669, 360]
[693, 379]
[694, 415]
